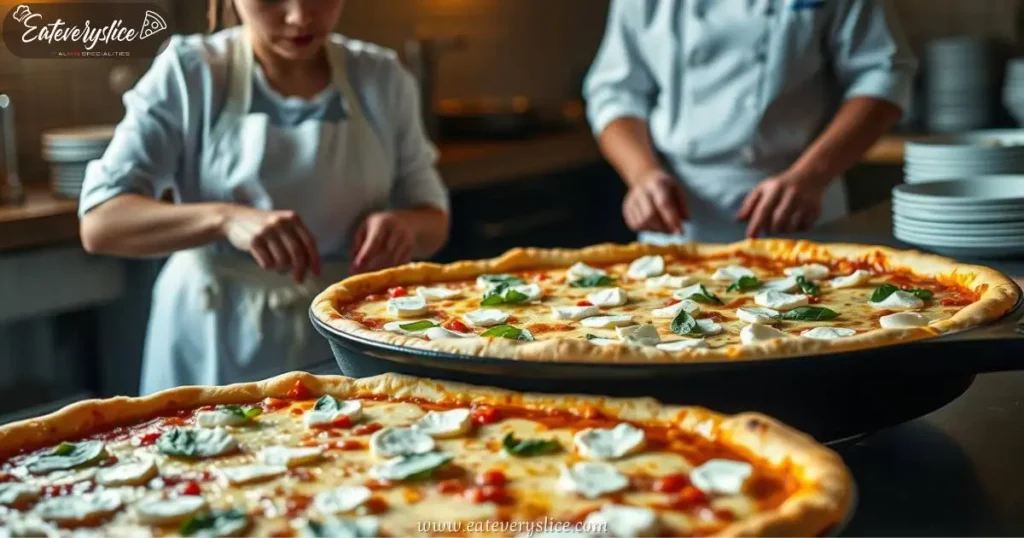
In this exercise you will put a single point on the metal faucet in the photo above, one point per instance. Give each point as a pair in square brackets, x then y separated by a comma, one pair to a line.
[11, 191]
[422, 56]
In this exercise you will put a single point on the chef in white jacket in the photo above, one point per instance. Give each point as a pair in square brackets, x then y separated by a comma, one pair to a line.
[737, 117]
[296, 156]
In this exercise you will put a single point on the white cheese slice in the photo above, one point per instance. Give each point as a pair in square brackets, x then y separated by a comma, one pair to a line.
[217, 418]
[445, 424]
[777, 300]
[640, 335]
[440, 333]
[607, 322]
[291, 456]
[407, 307]
[622, 521]
[353, 409]
[488, 317]
[73, 508]
[18, 493]
[592, 479]
[680, 345]
[486, 282]
[581, 270]
[208, 443]
[764, 316]
[28, 525]
[250, 474]
[668, 282]
[687, 292]
[169, 511]
[608, 297]
[396, 327]
[708, 327]
[732, 273]
[341, 500]
[71, 477]
[670, 312]
[574, 312]
[810, 271]
[404, 467]
[646, 267]
[440, 293]
[127, 473]
[851, 280]
[393, 442]
[532, 292]
[756, 332]
[787, 284]
[828, 333]
[603, 341]
[903, 320]
[721, 477]
[609, 444]
[899, 300]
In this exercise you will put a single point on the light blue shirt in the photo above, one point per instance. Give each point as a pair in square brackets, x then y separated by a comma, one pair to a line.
[735, 90]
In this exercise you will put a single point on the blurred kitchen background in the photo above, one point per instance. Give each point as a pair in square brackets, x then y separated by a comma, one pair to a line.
[504, 77]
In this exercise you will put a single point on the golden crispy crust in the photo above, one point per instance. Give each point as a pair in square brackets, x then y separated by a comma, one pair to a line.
[999, 296]
[821, 501]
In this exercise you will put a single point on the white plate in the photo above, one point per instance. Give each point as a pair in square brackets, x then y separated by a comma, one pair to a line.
[963, 233]
[940, 240]
[952, 217]
[971, 228]
[983, 191]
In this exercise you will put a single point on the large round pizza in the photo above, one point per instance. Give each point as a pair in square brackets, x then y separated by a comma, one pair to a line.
[301, 455]
[693, 302]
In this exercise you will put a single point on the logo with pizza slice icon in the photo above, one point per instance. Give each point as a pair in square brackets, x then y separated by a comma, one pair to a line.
[152, 24]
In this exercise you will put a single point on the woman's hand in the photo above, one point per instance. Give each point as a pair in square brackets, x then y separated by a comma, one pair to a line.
[383, 240]
[785, 203]
[656, 202]
[277, 240]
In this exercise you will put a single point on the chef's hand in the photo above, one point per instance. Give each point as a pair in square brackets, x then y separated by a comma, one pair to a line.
[785, 203]
[277, 240]
[655, 203]
[383, 240]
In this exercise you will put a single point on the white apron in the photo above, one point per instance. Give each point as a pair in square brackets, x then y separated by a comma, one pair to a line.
[217, 317]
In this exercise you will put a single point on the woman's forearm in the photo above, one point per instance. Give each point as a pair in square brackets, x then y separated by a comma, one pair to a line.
[131, 225]
[626, 143]
[431, 227]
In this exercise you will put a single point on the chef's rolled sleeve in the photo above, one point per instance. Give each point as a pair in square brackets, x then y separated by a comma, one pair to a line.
[870, 54]
[619, 84]
[417, 181]
[144, 154]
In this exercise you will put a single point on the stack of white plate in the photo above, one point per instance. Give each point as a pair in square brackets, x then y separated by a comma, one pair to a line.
[979, 153]
[982, 217]
[962, 81]
[69, 151]
[1013, 89]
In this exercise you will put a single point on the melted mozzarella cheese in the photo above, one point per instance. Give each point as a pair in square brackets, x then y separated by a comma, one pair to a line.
[169, 511]
[668, 282]
[898, 300]
[708, 327]
[646, 267]
[71, 508]
[440, 293]
[607, 322]
[404, 467]
[393, 442]
[810, 271]
[756, 332]
[764, 316]
[250, 474]
[533, 292]
[351, 409]
[488, 317]
[624, 521]
[680, 345]
[290, 456]
[213, 443]
[445, 424]
[407, 307]
[608, 297]
[828, 333]
[777, 300]
[903, 320]
[609, 444]
[396, 327]
[732, 273]
[721, 477]
[440, 333]
[670, 312]
[340, 500]
[787, 284]
[574, 312]
[17, 493]
[128, 473]
[592, 479]
[851, 280]
[219, 417]
[641, 335]
[687, 292]
[581, 270]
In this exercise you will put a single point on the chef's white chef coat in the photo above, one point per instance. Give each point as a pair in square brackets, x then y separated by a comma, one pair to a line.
[205, 122]
[735, 90]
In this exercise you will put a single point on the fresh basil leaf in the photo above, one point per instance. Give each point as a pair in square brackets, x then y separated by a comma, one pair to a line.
[194, 443]
[508, 331]
[745, 283]
[253, 412]
[810, 313]
[503, 294]
[882, 292]
[418, 326]
[593, 281]
[705, 296]
[808, 287]
[508, 280]
[529, 447]
[68, 456]
[684, 324]
[244, 413]
[215, 523]
[327, 403]
[921, 293]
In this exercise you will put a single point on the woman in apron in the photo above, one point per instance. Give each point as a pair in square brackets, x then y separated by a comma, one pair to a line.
[296, 156]
[733, 118]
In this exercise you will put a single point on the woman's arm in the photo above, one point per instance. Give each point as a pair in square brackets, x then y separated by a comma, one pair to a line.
[131, 225]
